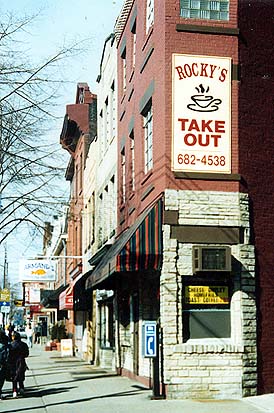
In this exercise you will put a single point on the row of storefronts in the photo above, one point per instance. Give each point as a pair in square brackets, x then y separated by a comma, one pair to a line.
[163, 269]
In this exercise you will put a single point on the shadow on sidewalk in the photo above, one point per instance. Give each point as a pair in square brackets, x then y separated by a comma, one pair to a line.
[71, 402]
[45, 392]
[74, 379]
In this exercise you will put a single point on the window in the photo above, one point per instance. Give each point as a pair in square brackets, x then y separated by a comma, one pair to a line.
[107, 124]
[207, 294]
[206, 302]
[124, 70]
[113, 202]
[106, 222]
[101, 133]
[81, 173]
[132, 162]
[113, 108]
[205, 9]
[150, 14]
[93, 212]
[100, 220]
[148, 132]
[133, 31]
[106, 325]
[123, 181]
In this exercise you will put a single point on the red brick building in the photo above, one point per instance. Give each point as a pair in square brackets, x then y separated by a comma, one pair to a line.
[79, 129]
[195, 195]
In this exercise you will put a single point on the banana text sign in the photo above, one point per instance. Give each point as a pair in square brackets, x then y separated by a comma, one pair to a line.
[37, 270]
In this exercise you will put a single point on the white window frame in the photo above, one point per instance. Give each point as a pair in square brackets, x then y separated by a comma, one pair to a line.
[132, 160]
[123, 165]
[133, 32]
[148, 138]
[149, 14]
[124, 70]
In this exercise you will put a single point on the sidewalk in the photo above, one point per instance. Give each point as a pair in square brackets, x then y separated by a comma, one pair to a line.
[56, 385]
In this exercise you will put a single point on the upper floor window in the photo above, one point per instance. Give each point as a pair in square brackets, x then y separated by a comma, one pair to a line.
[132, 162]
[133, 31]
[148, 132]
[149, 14]
[107, 122]
[205, 9]
[123, 177]
[113, 110]
[124, 70]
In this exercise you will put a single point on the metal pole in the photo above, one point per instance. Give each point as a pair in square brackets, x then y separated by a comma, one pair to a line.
[5, 269]
[155, 366]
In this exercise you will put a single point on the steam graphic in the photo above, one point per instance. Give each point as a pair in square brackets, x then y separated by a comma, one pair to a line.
[203, 102]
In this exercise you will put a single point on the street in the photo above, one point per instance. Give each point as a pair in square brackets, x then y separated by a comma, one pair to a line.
[56, 384]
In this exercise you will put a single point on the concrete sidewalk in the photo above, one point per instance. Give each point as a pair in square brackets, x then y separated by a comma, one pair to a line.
[57, 385]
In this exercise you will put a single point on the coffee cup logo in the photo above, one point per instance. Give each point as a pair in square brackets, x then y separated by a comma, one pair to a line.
[203, 101]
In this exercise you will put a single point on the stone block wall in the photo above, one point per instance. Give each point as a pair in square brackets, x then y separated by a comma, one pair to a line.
[209, 367]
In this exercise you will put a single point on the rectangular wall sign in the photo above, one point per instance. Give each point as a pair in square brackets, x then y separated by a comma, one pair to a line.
[201, 114]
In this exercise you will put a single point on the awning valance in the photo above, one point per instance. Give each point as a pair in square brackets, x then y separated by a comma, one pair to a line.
[138, 248]
[66, 297]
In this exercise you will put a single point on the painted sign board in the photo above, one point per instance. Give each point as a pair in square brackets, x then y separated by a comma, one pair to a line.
[5, 309]
[37, 270]
[201, 114]
[4, 303]
[5, 294]
[201, 294]
[66, 347]
[150, 339]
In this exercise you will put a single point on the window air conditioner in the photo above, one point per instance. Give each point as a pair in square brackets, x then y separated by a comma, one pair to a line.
[211, 258]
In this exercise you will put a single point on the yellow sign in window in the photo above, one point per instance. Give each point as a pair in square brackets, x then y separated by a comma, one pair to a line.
[201, 294]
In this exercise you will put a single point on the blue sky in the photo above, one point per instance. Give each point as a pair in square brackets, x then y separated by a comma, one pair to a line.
[58, 22]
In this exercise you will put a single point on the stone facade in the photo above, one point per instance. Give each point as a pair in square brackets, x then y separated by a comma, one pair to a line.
[209, 367]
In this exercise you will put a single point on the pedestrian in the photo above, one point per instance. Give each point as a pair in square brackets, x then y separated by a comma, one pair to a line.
[10, 331]
[4, 354]
[37, 334]
[29, 333]
[17, 363]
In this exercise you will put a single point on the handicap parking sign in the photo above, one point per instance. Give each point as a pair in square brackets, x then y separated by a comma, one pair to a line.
[150, 339]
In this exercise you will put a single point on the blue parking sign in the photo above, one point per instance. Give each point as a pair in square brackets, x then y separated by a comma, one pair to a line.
[150, 339]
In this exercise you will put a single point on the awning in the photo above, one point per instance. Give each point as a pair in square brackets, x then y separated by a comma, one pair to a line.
[50, 298]
[66, 297]
[139, 248]
[82, 298]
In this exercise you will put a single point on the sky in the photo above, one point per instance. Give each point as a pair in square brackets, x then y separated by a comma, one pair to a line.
[60, 22]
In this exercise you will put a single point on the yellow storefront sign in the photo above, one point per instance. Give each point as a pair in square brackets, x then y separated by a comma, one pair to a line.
[5, 295]
[200, 294]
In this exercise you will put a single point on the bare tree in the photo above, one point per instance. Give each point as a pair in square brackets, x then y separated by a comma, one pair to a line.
[29, 172]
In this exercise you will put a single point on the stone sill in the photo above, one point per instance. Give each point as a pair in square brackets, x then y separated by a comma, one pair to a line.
[208, 348]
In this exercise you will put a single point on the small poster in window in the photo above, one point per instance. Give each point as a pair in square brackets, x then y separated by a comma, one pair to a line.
[201, 294]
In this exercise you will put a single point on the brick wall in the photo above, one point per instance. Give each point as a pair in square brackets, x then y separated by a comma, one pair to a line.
[256, 161]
